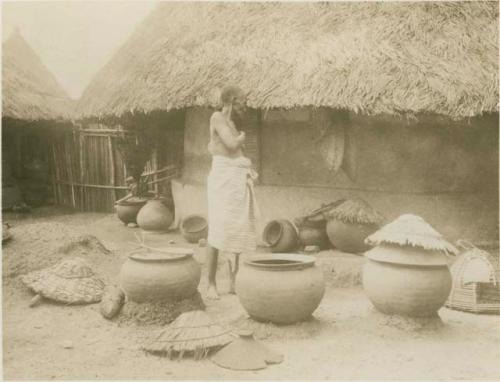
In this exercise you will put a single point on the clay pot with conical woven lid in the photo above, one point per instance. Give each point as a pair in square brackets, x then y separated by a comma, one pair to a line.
[406, 273]
[155, 216]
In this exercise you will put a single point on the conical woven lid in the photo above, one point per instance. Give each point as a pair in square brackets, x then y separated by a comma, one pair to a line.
[71, 281]
[355, 211]
[245, 353]
[191, 332]
[413, 231]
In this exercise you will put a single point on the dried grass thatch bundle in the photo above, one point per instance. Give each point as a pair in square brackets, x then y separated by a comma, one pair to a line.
[192, 333]
[355, 211]
[411, 230]
[71, 281]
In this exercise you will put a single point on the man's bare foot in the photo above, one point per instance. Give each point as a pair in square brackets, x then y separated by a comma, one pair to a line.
[212, 293]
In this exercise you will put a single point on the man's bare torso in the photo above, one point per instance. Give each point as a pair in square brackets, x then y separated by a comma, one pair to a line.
[217, 146]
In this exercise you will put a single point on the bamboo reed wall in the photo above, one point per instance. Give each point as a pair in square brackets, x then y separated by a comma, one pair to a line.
[88, 172]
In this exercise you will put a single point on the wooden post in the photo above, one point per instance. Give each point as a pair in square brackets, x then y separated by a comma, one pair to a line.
[112, 162]
[82, 191]
[53, 171]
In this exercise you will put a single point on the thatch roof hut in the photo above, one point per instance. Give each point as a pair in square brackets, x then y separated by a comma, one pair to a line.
[367, 57]
[33, 106]
[370, 62]
[30, 92]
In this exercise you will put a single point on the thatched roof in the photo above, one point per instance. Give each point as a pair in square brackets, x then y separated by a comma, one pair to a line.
[355, 211]
[371, 57]
[29, 90]
[413, 231]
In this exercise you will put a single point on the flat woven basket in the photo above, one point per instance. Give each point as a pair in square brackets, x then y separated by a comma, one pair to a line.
[70, 281]
[475, 287]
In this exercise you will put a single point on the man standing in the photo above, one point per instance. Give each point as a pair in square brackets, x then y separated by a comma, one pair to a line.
[231, 201]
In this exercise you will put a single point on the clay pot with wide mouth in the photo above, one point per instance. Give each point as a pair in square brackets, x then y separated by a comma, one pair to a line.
[280, 288]
[168, 274]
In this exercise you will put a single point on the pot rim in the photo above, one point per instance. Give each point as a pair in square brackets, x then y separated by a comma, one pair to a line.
[296, 261]
[268, 227]
[148, 256]
[131, 203]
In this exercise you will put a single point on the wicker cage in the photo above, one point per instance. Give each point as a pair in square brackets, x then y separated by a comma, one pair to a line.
[475, 282]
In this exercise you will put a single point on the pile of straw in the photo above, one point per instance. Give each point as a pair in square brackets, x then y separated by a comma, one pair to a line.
[355, 211]
[411, 230]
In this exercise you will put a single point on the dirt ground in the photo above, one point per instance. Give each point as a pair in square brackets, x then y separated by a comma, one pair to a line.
[346, 339]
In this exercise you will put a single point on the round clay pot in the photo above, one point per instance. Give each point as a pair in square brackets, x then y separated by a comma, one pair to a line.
[127, 210]
[313, 236]
[154, 276]
[194, 228]
[349, 237]
[406, 281]
[281, 236]
[155, 216]
[282, 288]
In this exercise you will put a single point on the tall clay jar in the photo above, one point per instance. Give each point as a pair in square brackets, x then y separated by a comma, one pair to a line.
[157, 276]
[155, 216]
[407, 273]
[280, 288]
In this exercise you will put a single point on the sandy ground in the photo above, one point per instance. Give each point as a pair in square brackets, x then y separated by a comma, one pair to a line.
[346, 339]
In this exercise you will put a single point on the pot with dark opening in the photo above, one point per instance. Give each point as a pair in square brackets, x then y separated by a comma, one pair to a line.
[281, 236]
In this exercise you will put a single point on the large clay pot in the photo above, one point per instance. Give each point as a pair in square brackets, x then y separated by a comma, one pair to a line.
[281, 236]
[407, 281]
[155, 216]
[281, 288]
[194, 228]
[127, 210]
[153, 276]
[349, 237]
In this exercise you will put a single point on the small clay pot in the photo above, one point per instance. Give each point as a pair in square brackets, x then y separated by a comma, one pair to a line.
[127, 210]
[155, 216]
[281, 236]
[194, 228]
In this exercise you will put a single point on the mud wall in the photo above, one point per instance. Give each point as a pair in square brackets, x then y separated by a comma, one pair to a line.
[445, 171]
